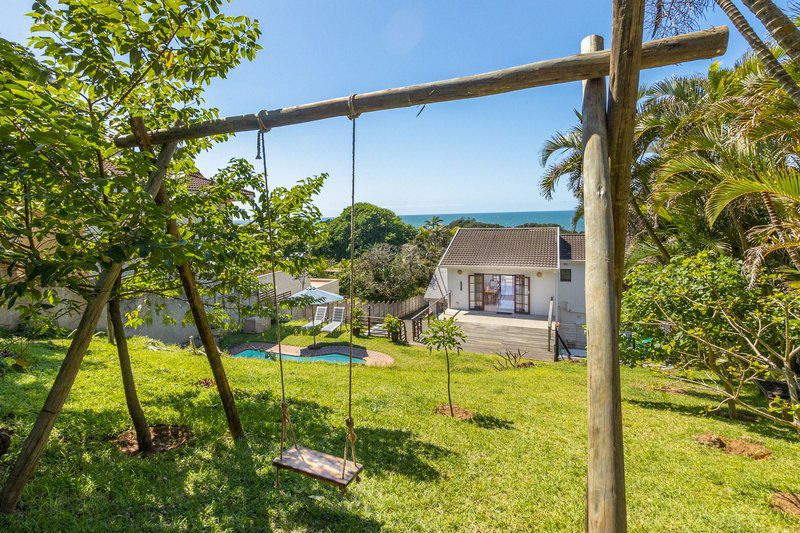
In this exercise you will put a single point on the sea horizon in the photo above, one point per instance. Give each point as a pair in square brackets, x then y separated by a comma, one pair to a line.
[509, 219]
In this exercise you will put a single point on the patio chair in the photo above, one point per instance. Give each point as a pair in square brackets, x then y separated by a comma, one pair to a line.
[336, 320]
[319, 317]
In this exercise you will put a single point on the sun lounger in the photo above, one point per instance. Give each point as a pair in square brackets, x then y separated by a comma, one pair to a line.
[336, 321]
[319, 317]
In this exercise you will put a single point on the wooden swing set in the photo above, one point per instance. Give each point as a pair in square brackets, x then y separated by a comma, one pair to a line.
[607, 140]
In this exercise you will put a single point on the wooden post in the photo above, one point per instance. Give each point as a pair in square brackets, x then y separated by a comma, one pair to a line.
[196, 305]
[623, 82]
[606, 478]
[34, 444]
[672, 50]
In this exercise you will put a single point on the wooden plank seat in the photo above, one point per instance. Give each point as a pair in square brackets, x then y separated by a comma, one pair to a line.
[318, 465]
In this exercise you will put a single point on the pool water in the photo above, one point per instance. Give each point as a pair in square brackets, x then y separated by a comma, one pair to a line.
[338, 358]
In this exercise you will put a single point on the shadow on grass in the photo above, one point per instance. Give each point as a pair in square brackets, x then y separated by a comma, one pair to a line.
[491, 422]
[756, 425]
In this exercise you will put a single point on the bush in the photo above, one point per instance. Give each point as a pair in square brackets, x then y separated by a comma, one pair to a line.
[393, 327]
[700, 315]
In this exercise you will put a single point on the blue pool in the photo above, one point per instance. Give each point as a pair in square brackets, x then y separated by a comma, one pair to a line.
[339, 358]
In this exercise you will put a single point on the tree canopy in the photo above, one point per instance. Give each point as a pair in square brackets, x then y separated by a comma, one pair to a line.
[374, 225]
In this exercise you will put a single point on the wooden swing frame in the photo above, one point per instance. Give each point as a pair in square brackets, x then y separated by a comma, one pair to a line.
[608, 140]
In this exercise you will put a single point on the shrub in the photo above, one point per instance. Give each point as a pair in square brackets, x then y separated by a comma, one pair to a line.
[393, 327]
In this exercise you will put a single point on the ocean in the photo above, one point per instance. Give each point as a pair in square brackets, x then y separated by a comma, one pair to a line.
[510, 219]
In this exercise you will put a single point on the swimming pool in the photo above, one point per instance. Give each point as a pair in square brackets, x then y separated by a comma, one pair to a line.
[338, 358]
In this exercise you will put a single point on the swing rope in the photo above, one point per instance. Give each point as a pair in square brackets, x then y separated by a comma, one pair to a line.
[350, 439]
[286, 419]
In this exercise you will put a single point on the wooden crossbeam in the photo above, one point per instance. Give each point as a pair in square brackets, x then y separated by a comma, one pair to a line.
[662, 52]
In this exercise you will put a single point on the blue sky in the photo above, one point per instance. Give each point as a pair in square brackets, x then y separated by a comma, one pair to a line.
[478, 155]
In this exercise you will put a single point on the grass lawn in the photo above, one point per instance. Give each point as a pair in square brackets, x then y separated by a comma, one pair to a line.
[520, 465]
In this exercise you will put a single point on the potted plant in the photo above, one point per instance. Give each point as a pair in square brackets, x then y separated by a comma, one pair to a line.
[393, 326]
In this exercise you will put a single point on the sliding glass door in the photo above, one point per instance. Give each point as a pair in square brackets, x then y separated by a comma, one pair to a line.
[476, 292]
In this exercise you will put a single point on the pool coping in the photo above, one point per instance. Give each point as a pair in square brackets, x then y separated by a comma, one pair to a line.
[370, 357]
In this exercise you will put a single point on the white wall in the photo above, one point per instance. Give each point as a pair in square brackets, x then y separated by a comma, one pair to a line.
[542, 287]
[572, 295]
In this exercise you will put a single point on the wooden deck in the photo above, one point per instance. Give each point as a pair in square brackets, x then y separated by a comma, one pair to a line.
[491, 333]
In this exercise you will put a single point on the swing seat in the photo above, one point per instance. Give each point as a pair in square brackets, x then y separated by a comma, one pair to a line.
[318, 465]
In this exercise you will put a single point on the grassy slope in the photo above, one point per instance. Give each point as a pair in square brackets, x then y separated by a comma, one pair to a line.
[521, 466]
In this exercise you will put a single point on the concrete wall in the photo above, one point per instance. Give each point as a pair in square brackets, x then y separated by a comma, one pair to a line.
[572, 294]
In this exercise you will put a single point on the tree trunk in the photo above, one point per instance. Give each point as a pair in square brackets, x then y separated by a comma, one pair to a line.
[623, 93]
[195, 302]
[128, 384]
[737, 226]
[449, 397]
[110, 329]
[763, 53]
[778, 24]
[730, 402]
[794, 256]
[651, 231]
[606, 467]
[37, 439]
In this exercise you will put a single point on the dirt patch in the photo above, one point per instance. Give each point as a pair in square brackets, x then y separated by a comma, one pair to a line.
[788, 502]
[743, 446]
[206, 383]
[165, 438]
[458, 412]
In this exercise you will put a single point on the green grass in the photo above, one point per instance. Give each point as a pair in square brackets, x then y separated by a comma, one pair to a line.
[519, 466]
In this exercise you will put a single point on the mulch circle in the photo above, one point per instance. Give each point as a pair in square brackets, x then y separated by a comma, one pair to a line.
[165, 438]
[458, 412]
[788, 502]
[744, 447]
[206, 383]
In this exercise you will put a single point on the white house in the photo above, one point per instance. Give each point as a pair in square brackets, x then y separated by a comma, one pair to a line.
[512, 271]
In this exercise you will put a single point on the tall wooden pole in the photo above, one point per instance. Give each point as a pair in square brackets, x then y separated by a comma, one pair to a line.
[623, 91]
[606, 476]
[186, 274]
[670, 51]
[34, 445]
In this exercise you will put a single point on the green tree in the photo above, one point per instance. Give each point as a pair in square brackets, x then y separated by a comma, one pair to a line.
[374, 225]
[445, 334]
[384, 273]
[700, 314]
[66, 214]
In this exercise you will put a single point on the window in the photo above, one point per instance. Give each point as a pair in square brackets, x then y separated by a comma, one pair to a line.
[566, 274]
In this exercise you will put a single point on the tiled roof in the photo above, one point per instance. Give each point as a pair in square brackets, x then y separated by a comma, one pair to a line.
[573, 246]
[196, 180]
[511, 247]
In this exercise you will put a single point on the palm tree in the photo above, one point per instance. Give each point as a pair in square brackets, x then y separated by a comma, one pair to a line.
[673, 16]
[562, 157]
[780, 26]
[433, 222]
